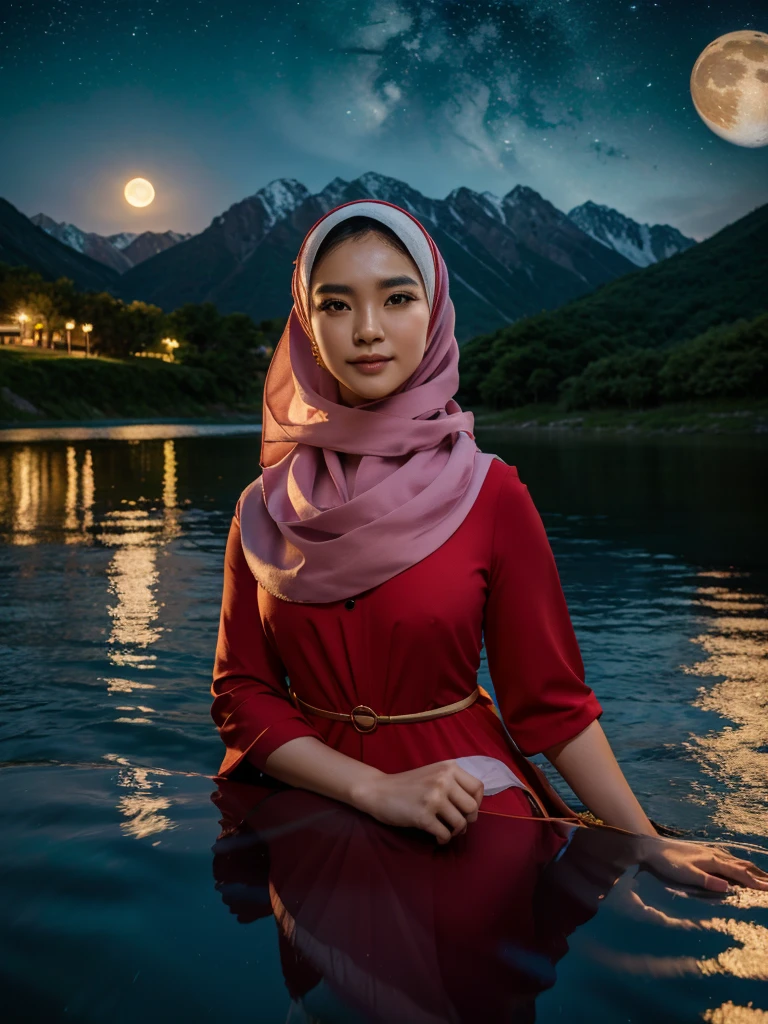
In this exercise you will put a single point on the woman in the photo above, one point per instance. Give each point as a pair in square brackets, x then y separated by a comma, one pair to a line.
[374, 552]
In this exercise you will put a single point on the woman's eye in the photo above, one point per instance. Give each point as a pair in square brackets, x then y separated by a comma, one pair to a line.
[330, 303]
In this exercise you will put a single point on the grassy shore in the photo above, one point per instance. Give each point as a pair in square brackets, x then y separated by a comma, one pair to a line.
[39, 386]
[715, 416]
[44, 388]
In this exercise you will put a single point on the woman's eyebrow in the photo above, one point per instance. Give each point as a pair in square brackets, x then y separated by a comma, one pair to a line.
[345, 289]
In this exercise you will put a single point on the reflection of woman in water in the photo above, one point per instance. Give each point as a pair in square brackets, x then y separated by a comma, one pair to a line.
[398, 927]
[374, 553]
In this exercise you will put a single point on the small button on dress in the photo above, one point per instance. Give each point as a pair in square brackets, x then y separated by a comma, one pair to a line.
[418, 646]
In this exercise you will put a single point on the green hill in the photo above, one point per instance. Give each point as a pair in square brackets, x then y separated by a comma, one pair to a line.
[40, 385]
[718, 282]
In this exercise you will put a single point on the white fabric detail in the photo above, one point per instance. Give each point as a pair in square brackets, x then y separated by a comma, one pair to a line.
[497, 776]
[402, 225]
[493, 773]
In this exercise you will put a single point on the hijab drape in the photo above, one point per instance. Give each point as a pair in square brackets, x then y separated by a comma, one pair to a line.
[350, 496]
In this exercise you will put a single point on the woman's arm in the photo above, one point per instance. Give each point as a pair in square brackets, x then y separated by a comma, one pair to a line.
[440, 798]
[251, 706]
[533, 655]
[536, 665]
[312, 764]
[588, 765]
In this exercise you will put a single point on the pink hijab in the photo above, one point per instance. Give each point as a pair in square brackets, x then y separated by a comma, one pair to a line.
[319, 527]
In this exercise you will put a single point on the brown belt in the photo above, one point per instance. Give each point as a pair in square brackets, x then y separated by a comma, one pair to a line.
[365, 719]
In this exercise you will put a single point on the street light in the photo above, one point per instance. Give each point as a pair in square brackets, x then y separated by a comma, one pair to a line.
[70, 326]
[87, 328]
[170, 344]
[22, 318]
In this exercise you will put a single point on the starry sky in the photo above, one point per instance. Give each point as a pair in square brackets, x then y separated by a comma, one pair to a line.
[579, 99]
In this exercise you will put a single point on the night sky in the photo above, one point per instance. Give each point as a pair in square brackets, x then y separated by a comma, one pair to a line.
[579, 99]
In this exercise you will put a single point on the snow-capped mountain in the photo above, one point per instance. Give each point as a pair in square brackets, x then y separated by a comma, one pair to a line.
[643, 244]
[245, 223]
[121, 251]
[507, 257]
[219, 259]
[150, 243]
[123, 239]
[280, 198]
[538, 227]
[88, 243]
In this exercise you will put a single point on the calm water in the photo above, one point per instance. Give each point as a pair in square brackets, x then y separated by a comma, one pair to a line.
[120, 903]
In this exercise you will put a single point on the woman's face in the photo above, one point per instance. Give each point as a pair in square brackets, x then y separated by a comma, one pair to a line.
[366, 298]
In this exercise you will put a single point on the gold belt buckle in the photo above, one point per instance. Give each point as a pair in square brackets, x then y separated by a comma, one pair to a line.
[367, 713]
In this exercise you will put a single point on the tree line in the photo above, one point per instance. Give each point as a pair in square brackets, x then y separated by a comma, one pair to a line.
[692, 326]
[579, 367]
[233, 348]
[589, 354]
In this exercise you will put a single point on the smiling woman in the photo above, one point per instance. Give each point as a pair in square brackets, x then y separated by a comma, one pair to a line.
[369, 309]
[377, 552]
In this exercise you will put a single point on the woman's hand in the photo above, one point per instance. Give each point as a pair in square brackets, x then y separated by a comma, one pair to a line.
[702, 865]
[440, 798]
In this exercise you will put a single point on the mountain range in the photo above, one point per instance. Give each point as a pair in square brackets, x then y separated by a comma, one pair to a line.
[121, 251]
[508, 257]
[641, 243]
[23, 243]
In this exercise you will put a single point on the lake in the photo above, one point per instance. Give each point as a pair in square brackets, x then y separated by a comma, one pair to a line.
[128, 894]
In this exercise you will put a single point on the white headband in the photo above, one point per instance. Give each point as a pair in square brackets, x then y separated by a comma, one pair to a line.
[405, 229]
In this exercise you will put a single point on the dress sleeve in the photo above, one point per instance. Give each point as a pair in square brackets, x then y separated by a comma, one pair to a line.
[251, 706]
[533, 655]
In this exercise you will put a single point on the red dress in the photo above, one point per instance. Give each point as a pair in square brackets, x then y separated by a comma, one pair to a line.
[410, 644]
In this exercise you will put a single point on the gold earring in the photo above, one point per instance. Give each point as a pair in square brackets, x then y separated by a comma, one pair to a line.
[316, 354]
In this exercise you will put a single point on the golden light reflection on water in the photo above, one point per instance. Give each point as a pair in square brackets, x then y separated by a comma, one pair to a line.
[126, 685]
[133, 580]
[70, 499]
[735, 754]
[141, 806]
[52, 495]
[88, 490]
[746, 959]
[169, 475]
[24, 495]
[39, 485]
[133, 576]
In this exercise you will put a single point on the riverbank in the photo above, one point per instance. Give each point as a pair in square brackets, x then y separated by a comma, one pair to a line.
[221, 418]
[37, 390]
[721, 416]
[664, 420]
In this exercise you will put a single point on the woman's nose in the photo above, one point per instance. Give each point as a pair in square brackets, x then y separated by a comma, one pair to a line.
[368, 326]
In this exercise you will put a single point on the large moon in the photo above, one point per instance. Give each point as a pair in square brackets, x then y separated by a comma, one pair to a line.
[139, 192]
[729, 87]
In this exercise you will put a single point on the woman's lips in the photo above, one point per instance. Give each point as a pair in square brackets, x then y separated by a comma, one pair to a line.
[372, 367]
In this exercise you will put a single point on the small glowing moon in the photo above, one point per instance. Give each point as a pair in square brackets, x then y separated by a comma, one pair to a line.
[139, 192]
